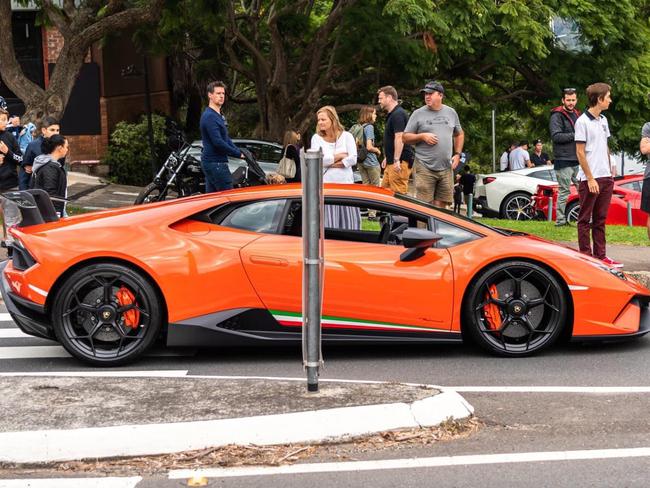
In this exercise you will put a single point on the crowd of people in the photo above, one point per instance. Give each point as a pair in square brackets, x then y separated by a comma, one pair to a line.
[31, 160]
[429, 143]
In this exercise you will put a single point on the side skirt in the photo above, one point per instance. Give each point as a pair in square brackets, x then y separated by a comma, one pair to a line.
[239, 327]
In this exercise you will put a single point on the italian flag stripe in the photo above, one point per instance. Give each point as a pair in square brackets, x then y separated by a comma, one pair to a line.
[292, 319]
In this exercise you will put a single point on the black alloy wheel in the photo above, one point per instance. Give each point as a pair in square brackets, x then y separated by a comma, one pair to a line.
[518, 206]
[106, 314]
[515, 308]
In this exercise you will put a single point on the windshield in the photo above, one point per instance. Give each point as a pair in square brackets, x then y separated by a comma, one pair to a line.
[411, 199]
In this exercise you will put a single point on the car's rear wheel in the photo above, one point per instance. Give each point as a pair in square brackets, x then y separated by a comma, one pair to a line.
[106, 314]
[572, 212]
[517, 206]
[515, 308]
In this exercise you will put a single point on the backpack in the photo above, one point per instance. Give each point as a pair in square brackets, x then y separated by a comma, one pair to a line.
[360, 138]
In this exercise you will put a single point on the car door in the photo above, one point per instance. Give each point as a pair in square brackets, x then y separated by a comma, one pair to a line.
[366, 286]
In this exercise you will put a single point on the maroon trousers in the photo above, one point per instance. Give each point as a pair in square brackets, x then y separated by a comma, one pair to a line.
[593, 213]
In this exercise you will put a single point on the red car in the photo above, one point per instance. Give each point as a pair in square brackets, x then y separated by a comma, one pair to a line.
[626, 189]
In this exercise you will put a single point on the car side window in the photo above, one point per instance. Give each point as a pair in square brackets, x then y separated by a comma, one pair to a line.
[357, 222]
[263, 152]
[452, 235]
[633, 186]
[262, 216]
[543, 175]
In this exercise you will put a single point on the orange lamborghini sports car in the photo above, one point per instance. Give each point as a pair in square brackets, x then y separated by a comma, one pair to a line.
[226, 269]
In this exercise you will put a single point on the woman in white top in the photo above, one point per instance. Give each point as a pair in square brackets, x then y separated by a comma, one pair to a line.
[339, 155]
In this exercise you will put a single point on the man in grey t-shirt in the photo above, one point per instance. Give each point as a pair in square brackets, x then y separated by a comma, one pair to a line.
[438, 138]
[645, 191]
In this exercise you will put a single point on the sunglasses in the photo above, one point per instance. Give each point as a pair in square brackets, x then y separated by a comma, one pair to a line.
[569, 91]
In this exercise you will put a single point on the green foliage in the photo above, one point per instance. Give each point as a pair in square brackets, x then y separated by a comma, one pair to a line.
[128, 154]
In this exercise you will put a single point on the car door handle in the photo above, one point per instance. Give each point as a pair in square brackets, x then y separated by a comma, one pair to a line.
[269, 261]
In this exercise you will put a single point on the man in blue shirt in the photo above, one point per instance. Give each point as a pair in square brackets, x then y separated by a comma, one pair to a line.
[217, 145]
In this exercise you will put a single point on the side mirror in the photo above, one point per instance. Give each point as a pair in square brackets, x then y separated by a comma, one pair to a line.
[417, 241]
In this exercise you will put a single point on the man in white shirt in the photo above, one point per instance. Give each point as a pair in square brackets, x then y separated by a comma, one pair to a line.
[503, 161]
[595, 175]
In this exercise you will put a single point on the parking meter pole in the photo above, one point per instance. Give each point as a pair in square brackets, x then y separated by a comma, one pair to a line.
[629, 214]
[470, 205]
[549, 217]
[312, 282]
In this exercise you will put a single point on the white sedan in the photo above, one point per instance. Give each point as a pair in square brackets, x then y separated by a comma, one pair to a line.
[508, 194]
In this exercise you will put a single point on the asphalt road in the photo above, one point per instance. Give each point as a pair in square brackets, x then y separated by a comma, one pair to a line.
[514, 422]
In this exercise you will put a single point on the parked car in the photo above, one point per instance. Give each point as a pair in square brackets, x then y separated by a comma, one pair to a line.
[508, 195]
[267, 154]
[626, 189]
[225, 269]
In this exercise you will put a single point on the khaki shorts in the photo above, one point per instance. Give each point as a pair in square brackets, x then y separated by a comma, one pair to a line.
[397, 181]
[434, 185]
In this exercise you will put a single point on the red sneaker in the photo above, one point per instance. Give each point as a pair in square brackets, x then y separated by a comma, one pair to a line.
[610, 262]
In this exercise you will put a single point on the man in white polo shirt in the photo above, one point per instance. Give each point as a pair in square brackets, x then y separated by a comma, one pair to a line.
[595, 174]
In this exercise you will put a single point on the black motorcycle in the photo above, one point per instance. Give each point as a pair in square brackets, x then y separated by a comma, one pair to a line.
[181, 175]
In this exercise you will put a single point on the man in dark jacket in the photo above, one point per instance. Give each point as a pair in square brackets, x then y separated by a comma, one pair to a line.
[562, 128]
[9, 154]
[48, 172]
[49, 127]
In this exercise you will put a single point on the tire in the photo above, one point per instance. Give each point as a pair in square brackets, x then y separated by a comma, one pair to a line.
[517, 206]
[515, 309]
[100, 328]
[572, 212]
[154, 193]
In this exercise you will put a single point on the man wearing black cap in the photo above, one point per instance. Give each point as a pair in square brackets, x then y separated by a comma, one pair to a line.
[438, 138]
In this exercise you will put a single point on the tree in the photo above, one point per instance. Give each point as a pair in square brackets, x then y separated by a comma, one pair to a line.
[81, 24]
[292, 56]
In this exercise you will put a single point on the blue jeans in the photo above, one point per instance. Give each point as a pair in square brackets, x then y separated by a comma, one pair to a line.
[217, 177]
[23, 179]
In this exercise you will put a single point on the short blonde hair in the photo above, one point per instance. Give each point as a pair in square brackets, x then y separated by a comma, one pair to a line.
[333, 116]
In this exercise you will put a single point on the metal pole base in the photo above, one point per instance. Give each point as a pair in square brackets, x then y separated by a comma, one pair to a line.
[312, 378]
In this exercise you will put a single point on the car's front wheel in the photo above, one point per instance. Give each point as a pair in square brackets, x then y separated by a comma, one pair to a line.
[515, 308]
[106, 314]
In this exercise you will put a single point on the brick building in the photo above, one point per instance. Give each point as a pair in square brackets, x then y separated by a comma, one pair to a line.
[110, 87]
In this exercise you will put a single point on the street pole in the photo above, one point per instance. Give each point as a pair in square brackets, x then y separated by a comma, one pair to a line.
[147, 105]
[494, 141]
[313, 259]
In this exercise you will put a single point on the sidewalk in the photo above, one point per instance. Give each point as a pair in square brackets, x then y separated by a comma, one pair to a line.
[98, 416]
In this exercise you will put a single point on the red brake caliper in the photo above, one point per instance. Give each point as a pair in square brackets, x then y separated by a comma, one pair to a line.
[124, 298]
[491, 310]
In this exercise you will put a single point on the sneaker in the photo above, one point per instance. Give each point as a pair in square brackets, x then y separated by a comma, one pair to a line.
[610, 262]
[561, 224]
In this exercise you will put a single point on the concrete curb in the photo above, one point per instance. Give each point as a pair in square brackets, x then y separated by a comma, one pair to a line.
[312, 426]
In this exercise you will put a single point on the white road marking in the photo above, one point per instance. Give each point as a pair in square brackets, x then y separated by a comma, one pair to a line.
[14, 333]
[118, 374]
[119, 201]
[72, 483]
[431, 462]
[5, 317]
[128, 194]
[30, 352]
[550, 389]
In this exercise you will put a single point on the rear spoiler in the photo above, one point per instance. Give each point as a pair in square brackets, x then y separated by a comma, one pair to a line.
[35, 206]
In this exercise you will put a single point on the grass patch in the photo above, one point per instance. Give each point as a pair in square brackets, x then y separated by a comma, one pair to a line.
[616, 234]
